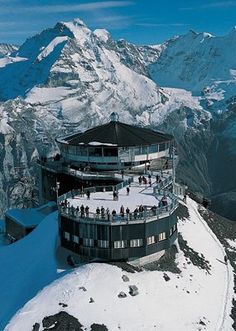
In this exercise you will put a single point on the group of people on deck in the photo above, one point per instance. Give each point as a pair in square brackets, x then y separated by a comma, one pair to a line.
[138, 212]
[144, 180]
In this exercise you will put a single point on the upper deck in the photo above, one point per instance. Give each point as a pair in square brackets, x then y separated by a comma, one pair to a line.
[143, 202]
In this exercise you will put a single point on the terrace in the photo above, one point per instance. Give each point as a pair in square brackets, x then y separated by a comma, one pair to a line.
[144, 202]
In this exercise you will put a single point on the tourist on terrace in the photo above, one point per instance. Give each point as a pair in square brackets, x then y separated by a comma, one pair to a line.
[82, 211]
[154, 209]
[88, 194]
[164, 201]
[128, 213]
[102, 212]
[150, 182]
[140, 180]
[87, 211]
[127, 190]
[122, 211]
[141, 210]
[113, 213]
[108, 214]
[135, 213]
[98, 212]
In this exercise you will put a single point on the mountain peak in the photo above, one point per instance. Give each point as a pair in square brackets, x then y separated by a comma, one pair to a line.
[78, 28]
[102, 34]
[78, 22]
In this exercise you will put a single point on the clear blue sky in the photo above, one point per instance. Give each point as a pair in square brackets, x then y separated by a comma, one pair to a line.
[138, 21]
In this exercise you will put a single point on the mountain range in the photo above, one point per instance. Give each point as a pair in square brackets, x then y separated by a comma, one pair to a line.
[69, 78]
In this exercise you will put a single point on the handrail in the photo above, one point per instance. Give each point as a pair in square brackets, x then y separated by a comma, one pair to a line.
[71, 194]
[148, 213]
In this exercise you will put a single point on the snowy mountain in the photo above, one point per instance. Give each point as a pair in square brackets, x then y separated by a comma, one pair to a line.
[191, 281]
[205, 65]
[69, 78]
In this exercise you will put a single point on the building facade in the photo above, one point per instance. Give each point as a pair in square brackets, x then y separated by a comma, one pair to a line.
[100, 159]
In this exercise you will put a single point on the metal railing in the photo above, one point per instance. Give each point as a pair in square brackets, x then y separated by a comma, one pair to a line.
[57, 166]
[110, 188]
[146, 214]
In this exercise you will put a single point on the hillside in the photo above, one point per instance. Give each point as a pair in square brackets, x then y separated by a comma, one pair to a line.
[192, 282]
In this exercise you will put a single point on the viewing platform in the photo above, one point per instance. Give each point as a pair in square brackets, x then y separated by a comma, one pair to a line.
[102, 207]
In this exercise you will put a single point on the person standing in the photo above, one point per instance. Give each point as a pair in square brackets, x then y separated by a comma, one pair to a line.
[88, 194]
[122, 211]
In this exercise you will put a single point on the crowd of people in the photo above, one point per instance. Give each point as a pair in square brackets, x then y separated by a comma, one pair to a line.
[107, 214]
[124, 212]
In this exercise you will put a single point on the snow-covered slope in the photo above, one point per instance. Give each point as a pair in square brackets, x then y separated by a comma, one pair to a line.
[196, 60]
[7, 49]
[199, 297]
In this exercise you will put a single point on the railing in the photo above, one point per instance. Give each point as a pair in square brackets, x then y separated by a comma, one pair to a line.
[110, 188]
[59, 166]
[146, 214]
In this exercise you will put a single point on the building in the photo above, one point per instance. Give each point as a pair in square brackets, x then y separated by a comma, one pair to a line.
[20, 222]
[96, 165]
[140, 235]
[101, 151]
[114, 146]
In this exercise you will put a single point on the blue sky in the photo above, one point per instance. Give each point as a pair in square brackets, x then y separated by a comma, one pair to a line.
[138, 21]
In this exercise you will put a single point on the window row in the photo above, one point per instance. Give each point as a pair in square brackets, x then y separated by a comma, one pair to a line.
[120, 243]
[109, 151]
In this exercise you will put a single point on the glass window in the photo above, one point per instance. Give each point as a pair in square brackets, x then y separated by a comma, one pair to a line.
[138, 150]
[144, 150]
[136, 242]
[153, 149]
[103, 243]
[88, 242]
[76, 239]
[67, 235]
[110, 151]
[150, 240]
[119, 244]
[162, 147]
[162, 236]
[95, 151]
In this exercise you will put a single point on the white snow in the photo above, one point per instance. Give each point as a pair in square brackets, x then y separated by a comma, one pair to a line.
[97, 143]
[49, 49]
[47, 94]
[102, 34]
[8, 60]
[187, 298]
[232, 243]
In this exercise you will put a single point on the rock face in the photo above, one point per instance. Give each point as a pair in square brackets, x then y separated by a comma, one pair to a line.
[65, 322]
[69, 78]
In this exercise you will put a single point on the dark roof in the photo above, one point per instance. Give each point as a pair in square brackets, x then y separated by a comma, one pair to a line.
[117, 133]
[31, 217]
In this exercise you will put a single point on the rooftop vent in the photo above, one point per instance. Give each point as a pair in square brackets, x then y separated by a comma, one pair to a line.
[114, 117]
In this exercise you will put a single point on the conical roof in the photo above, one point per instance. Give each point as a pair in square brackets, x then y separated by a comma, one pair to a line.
[116, 133]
